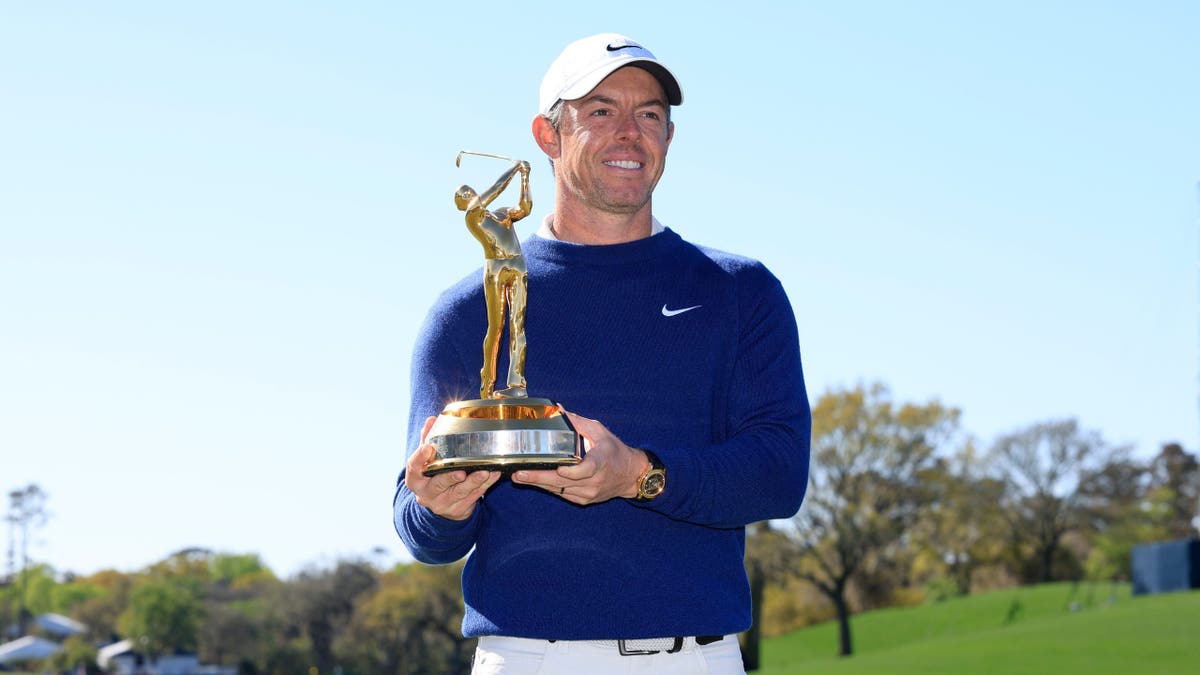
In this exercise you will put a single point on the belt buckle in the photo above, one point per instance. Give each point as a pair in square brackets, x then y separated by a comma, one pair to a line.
[678, 645]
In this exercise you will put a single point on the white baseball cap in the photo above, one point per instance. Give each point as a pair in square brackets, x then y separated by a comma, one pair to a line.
[584, 63]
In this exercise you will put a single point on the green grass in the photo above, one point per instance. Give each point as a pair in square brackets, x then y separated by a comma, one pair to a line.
[1151, 634]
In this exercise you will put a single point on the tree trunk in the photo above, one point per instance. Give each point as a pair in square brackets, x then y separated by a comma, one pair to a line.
[1047, 561]
[843, 614]
[752, 639]
[960, 571]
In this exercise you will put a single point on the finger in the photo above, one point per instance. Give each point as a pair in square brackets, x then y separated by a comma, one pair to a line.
[549, 480]
[459, 502]
[590, 429]
[490, 479]
[448, 481]
[581, 471]
[585, 493]
[561, 489]
[428, 425]
[577, 419]
[414, 469]
[543, 478]
[463, 496]
[470, 483]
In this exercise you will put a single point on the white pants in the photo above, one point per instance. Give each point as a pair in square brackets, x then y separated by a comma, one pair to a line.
[519, 656]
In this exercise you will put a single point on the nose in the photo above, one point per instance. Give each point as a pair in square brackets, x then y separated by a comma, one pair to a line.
[628, 129]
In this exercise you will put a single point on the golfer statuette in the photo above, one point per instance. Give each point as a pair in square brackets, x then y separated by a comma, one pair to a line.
[505, 429]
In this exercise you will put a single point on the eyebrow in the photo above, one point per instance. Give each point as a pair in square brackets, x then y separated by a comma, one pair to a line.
[601, 98]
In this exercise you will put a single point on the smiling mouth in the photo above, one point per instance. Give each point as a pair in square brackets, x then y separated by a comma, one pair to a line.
[624, 164]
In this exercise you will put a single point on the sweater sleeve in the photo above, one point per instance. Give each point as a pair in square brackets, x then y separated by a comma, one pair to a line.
[760, 470]
[438, 377]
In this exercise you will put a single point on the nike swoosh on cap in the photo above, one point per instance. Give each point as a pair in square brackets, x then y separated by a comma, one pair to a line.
[614, 48]
[673, 312]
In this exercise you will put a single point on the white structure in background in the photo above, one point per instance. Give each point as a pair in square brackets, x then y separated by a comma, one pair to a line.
[119, 658]
[36, 648]
[28, 648]
[60, 626]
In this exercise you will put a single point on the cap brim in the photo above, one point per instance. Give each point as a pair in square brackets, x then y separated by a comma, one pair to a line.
[660, 72]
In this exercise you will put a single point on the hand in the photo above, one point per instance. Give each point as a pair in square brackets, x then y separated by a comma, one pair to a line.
[450, 495]
[609, 469]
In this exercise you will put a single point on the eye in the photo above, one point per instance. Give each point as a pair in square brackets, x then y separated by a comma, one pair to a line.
[651, 114]
[600, 112]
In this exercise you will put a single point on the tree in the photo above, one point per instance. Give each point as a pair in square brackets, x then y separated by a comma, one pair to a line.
[1042, 466]
[37, 588]
[1111, 492]
[1116, 508]
[100, 612]
[26, 509]
[411, 624]
[1175, 473]
[963, 527]
[76, 653]
[236, 608]
[162, 616]
[866, 486]
[229, 568]
[320, 603]
[766, 558]
[228, 635]
[188, 567]
[67, 596]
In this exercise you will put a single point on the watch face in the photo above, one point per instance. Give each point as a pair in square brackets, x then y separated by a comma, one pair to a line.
[654, 483]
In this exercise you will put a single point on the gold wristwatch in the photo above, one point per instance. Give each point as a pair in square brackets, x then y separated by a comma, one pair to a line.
[653, 480]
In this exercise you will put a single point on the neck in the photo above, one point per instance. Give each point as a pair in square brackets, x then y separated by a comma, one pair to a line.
[591, 227]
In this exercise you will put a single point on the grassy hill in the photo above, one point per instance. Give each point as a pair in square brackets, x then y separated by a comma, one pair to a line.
[1054, 628]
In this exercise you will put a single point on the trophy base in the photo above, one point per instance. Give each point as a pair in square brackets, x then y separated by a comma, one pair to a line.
[505, 434]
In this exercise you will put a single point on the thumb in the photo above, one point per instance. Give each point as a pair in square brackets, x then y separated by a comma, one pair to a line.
[580, 422]
[428, 425]
[416, 465]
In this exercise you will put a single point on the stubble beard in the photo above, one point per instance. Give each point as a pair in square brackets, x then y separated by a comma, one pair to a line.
[601, 197]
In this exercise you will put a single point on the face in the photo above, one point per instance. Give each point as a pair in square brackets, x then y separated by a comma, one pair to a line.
[611, 146]
[463, 196]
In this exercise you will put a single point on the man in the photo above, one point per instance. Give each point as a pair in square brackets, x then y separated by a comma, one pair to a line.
[505, 277]
[681, 368]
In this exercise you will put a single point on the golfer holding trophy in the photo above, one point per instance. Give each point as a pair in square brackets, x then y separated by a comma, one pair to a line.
[678, 371]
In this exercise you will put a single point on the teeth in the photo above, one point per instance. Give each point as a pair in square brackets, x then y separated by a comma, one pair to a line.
[625, 164]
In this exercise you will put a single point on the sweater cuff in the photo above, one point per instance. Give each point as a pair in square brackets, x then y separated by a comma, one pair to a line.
[432, 537]
[680, 466]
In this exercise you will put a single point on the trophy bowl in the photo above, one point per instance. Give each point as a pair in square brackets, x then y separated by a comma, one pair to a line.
[502, 434]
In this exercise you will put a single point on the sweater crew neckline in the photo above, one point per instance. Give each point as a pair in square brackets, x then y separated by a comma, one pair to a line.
[638, 250]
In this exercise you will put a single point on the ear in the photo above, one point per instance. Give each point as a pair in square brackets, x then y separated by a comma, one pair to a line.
[546, 137]
[670, 133]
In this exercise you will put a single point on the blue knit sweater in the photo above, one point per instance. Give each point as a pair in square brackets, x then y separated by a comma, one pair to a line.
[716, 392]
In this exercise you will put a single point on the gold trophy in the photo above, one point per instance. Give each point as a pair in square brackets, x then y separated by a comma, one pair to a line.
[501, 430]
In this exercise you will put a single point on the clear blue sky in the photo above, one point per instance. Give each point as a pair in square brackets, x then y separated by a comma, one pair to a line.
[221, 224]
